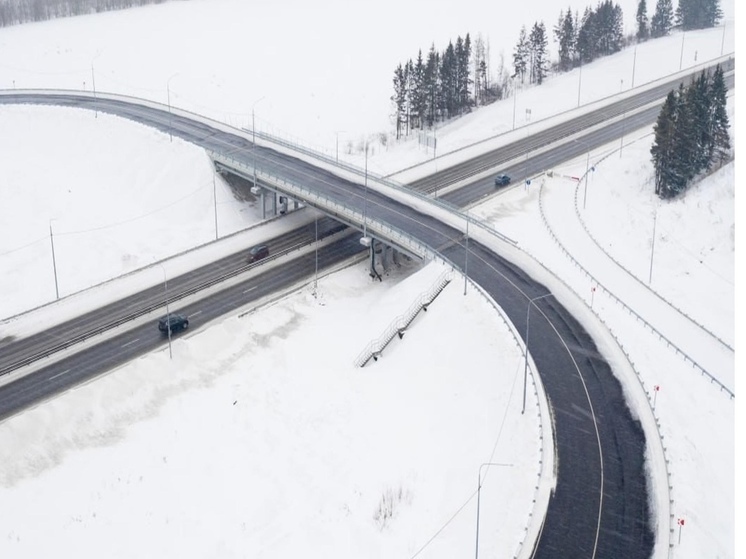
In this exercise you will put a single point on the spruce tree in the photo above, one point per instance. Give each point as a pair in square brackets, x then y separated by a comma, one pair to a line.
[586, 46]
[538, 49]
[643, 31]
[663, 148]
[564, 34]
[521, 55]
[698, 14]
[399, 98]
[662, 21]
[719, 124]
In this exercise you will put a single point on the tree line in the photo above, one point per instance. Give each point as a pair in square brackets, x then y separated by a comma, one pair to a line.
[15, 12]
[447, 84]
[691, 133]
[689, 14]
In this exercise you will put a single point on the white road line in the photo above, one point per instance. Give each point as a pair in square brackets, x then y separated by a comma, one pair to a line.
[130, 342]
[250, 289]
[59, 374]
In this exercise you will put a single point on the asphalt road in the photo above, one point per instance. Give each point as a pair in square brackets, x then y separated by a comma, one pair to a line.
[599, 508]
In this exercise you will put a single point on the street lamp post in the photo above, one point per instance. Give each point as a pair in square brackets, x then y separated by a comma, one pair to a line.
[580, 78]
[479, 492]
[365, 193]
[215, 203]
[652, 248]
[634, 62]
[168, 314]
[466, 254]
[253, 144]
[681, 57]
[54, 261]
[337, 133]
[525, 356]
[515, 97]
[168, 101]
[316, 246]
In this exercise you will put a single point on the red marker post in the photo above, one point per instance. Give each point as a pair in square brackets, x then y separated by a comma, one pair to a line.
[656, 388]
[681, 523]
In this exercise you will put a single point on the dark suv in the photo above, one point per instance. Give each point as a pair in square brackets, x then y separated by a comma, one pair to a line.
[176, 323]
[502, 179]
[257, 253]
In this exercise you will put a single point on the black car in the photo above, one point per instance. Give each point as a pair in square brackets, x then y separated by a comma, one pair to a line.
[257, 253]
[502, 179]
[176, 322]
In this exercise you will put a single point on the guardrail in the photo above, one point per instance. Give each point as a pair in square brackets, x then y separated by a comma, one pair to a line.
[402, 322]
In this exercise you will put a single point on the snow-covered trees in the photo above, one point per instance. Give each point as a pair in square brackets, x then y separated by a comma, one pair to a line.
[432, 90]
[641, 18]
[566, 35]
[691, 133]
[698, 14]
[662, 21]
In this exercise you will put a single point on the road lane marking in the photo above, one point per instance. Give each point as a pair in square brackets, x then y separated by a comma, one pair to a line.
[250, 289]
[130, 342]
[59, 374]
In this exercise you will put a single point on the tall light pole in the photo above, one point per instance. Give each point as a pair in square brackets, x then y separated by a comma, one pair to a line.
[722, 41]
[93, 81]
[168, 314]
[54, 261]
[365, 193]
[466, 253]
[634, 62]
[316, 245]
[215, 203]
[580, 77]
[253, 143]
[652, 248]
[681, 57]
[525, 356]
[168, 100]
[515, 97]
[337, 133]
[479, 492]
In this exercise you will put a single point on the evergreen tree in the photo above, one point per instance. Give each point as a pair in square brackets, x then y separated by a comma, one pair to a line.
[608, 29]
[586, 46]
[448, 85]
[399, 98]
[719, 125]
[663, 148]
[698, 14]
[538, 53]
[521, 55]
[662, 21]
[419, 93]
[564, 34]
[643, 31]
[432, 86]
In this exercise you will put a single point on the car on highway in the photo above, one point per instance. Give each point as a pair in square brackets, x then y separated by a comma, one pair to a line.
[502, 179]
[257, 253]
[174, 322]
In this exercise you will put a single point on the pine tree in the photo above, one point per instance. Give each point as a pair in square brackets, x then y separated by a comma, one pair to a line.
[399, 98]
[719, 124]
[698, 14]
[448, 86]
[662, 21]
[564, 34]
[432, 86]
[643, 31]
[521, 55]
[586, 46]
[663, 148]
[419, 93]
[538, 53]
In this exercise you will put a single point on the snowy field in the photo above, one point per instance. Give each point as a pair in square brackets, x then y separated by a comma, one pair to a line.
[260, 438]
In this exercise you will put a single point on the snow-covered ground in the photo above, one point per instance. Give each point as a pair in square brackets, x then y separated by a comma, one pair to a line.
[260, 438]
